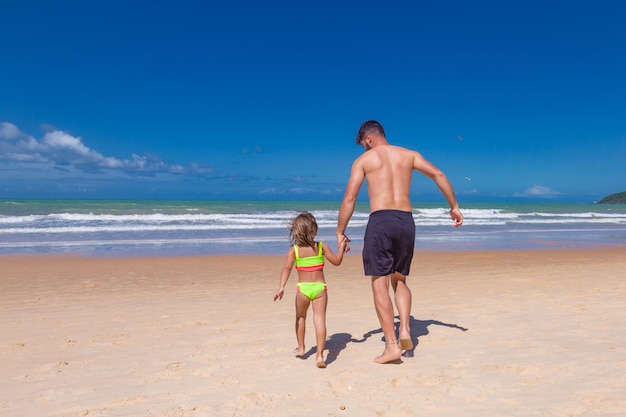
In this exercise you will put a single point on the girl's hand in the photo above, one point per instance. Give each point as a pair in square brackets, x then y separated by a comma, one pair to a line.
[279, 294]
[343, 243]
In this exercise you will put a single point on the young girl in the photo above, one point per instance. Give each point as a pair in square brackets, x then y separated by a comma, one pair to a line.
[308, 256]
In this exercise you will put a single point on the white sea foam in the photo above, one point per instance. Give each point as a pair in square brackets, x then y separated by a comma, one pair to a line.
[166, 227]
[91, 223]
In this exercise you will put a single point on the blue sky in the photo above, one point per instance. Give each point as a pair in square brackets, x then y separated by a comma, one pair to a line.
[515, 101]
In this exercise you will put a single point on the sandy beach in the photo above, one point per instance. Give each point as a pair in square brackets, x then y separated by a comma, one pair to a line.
[497, 333]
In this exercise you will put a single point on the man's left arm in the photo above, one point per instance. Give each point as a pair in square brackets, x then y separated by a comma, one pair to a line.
[422, 165]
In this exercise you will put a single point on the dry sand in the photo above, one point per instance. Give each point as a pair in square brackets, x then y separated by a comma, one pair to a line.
[498, 333]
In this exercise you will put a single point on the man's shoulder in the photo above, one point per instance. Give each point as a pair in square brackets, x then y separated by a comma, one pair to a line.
[408, 152]
[399, 148]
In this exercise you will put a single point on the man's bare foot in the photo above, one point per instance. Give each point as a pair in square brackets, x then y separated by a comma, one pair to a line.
[320, 362]
[406, 344]
[391, 353]
[299, 351]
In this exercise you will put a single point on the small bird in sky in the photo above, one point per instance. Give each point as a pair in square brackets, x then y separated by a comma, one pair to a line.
[459, 137]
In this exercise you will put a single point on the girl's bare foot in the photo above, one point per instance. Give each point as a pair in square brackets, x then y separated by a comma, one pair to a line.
[391, 353]
[299, 351]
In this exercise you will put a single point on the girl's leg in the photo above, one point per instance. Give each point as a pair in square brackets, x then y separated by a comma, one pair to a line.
[319, 319]
[302, 305]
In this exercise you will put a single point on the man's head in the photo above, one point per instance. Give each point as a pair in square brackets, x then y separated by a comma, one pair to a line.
[369, 130]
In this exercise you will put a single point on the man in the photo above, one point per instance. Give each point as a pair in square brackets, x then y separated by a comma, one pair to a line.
[390, 234]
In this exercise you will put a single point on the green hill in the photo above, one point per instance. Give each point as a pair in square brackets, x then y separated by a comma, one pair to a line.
[619, 198]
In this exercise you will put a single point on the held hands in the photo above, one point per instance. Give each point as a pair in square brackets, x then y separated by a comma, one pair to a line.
[342, 243]
[457, 216]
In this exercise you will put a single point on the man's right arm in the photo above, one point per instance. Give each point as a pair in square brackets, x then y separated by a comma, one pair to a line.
[348, 204]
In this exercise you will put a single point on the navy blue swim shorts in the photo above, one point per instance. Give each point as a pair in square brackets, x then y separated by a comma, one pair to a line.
[388, 243]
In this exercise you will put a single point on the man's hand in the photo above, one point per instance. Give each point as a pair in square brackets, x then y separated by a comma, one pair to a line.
[457, 216]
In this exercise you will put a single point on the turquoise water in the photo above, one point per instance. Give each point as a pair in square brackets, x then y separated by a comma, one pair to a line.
[179, 228]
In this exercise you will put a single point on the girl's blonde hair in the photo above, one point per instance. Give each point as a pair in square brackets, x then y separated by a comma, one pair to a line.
[302, 230]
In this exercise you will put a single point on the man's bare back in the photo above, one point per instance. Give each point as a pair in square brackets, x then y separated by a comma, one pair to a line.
[388, 170]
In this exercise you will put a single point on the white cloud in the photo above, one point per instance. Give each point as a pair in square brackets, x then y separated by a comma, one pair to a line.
[64, 150]
[9, 131]
[60, 140]
[538, 191]
[16, 146]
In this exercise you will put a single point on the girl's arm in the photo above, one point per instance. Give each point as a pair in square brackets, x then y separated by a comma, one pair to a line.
[284, 273]
[333, 258]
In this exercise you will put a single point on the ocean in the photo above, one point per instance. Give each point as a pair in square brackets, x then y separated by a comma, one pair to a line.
[107, 228]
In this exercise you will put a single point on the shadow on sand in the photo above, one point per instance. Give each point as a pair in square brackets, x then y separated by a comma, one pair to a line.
[339, 341]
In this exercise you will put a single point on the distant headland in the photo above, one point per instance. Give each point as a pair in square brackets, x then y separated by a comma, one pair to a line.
[618, 198]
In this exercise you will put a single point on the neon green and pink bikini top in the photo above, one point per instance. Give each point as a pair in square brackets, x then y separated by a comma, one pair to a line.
[310, 263]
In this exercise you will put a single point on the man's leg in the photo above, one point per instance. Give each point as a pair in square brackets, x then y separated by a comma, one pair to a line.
[403, 299]
[384, 310]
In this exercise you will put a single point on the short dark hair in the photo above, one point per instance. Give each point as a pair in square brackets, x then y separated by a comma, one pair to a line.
[372, 127]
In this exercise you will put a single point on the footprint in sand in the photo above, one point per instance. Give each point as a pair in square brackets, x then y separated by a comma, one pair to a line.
[173, 368]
